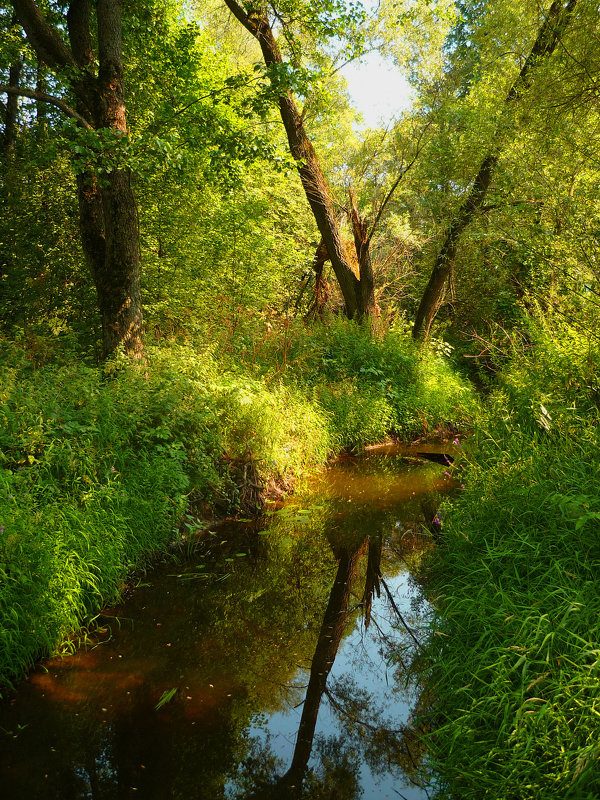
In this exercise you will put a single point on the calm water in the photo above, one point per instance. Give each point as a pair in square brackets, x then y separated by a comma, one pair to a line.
[263, 661]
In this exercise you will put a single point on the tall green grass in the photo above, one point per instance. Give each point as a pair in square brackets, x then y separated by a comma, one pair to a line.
[369, 385]
[513, 654]
[99, 465]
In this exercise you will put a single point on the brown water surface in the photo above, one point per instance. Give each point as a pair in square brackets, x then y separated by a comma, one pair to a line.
[259, 662]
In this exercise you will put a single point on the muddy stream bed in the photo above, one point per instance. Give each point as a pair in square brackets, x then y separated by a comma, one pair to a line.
[260, 661]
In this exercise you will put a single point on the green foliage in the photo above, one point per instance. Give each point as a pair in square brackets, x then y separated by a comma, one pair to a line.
[369, 386]
[512, 654]
[98, 465]
[44, 282]
[373, 386]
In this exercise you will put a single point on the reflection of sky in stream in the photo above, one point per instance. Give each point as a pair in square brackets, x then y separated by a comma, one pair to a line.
[362, 656]
[374, 495]
[224, 635]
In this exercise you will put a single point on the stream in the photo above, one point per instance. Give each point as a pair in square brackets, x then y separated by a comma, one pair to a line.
[261, 663]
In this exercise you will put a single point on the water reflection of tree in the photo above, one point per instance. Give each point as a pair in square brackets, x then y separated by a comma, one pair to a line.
[366, 733]
[383, 743]
[245, 631]
[330, 636]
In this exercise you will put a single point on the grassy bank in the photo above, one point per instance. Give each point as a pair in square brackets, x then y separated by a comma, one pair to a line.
[99, 466]
[513, 655]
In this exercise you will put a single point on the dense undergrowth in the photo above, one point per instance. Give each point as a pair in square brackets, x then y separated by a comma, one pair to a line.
[514, 660]
[99, 466]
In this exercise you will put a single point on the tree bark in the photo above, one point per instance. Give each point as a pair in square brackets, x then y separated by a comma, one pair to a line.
[364, 288]
[89, 194]
[313, 180]
[107, 211]
[119, 285]
[547, 38]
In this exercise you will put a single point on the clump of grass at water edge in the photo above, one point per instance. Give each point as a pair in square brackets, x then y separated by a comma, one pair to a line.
[513, 661]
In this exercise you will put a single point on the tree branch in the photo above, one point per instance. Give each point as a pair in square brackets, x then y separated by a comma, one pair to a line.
[42, 97]
[44, 39]
[395, 185]
[242, 16]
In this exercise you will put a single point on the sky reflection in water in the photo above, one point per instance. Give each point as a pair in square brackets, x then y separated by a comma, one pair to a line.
[234, 629]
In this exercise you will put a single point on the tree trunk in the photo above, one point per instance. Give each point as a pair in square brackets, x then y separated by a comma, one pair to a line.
[108, 213]
[321, 288]
[364, 288]
[91, 224]
[118, 284]
[548, 37]
[313, 180]
[430, 301]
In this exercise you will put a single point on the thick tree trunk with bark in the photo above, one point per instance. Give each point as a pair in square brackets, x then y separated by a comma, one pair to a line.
[364, 288]
[108, 213]
[548, 37]
[313, 180]
[118, 286]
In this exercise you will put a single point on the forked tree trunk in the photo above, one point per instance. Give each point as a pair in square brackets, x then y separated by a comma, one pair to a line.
[364, 287]
[313, 180]
[548, 37]
[108, 213]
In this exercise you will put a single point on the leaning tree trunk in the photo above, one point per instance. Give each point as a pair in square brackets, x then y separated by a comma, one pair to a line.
[548, 37]
[446, 257]
[313, 180]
